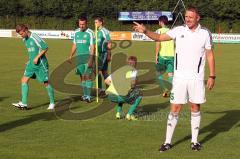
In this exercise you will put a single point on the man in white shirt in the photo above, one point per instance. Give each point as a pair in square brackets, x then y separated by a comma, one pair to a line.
[193, 46]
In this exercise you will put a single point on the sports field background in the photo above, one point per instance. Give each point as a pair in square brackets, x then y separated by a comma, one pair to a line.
[38, 133]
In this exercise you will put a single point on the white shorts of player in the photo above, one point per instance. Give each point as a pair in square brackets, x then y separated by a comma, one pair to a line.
[184, 90]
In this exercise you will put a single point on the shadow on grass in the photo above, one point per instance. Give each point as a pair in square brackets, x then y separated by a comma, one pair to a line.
[60, 102]
[150, 111]
[27, 120]
[46, 116]
[221, 125]
[3, 98]
[63, 111]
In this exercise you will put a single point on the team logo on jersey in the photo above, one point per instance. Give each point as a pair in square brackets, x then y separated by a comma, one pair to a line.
[85, 36]
[31, 43]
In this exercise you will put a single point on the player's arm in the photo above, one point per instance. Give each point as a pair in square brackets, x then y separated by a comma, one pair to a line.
[158, 46]
[42, 46]
[92, 52]
[35, 61]
[73, 50]
[211, 64]
[109, 47]
[152, 35]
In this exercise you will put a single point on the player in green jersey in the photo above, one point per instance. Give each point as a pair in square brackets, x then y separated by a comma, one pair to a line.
[83, 46]
[37, 66]
[164, 56]
[104, 52]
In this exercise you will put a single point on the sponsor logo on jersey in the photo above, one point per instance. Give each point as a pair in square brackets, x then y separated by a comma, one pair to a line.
[81, 41]
[31, 49]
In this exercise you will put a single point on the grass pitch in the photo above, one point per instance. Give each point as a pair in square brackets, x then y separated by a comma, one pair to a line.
[41, 134]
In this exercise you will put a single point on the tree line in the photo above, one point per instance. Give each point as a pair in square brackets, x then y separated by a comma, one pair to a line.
[62, 14]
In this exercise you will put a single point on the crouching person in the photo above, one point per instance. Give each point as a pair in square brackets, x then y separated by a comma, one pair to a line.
[122, 89]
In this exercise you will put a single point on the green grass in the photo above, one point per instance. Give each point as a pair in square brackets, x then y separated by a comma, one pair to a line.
[38, 133]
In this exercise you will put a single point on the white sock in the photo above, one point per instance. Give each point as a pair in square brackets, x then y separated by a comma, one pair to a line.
[171, 124]
[195, 124]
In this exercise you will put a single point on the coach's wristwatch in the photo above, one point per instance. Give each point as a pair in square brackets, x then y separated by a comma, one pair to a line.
[213, 77]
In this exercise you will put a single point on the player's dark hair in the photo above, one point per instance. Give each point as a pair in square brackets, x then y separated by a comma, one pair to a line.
[82, 18]
[132, 58]
[21, 27]
[163, 19]
[193, 9]
[99, 19]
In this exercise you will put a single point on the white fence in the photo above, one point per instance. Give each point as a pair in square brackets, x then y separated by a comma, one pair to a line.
[117, 35]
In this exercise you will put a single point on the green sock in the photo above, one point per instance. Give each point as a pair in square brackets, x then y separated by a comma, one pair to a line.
[119, 108]
[161, 82]
[134, 106]
[89, 85]
[50, 91]
[24, 93]
[170, 79]
[83, 84]
[99, 81]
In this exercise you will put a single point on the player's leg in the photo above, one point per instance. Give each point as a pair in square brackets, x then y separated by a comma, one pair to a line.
[28, 73]
[171, 124]
[84, 88]
[178, 97]
[103, 68]
[100, 82]
[132, 108]
[119, 112]
[89, 83]
[119, 100]
[105, 75]
[101, 59]
[169, 69]
[195, 125]
[196, 91]
[24, 88]
[24, 93]
[50, 91]
[161, 69]
[80, 71]
[42, 76]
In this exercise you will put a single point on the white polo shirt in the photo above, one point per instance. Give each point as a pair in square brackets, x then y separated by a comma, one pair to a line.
[189, 62]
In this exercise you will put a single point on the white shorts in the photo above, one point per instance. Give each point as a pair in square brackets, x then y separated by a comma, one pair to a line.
[184, 90]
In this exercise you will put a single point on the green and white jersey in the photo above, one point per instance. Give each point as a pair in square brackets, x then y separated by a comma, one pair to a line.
[83, 41]
[166, 47]
[103, 39]
[35, 45]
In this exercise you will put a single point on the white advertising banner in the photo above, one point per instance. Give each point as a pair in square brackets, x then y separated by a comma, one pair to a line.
[217, 38]
[54, 34]
[116, 35]
[5, 33]
[226, 38]
[140, 37]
